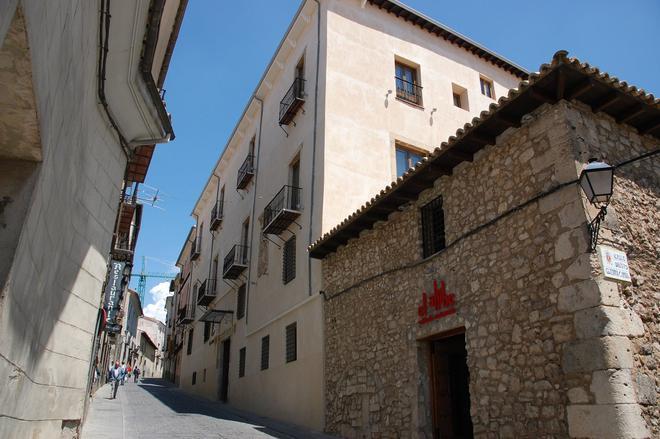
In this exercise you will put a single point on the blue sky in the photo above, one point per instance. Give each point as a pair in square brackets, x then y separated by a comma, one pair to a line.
[224, 47]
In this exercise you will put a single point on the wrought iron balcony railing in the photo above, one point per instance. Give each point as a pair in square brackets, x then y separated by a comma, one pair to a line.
[206, 292]
[408, 91]
[195, 250]
[235, 262]
[245, 172]
[292, 101]
[188, 314]
[217, 214]
[282, 210]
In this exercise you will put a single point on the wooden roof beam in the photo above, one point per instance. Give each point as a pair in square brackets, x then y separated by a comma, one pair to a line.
[650, 127]
[607, 101]
[631, 113]
[579, 89]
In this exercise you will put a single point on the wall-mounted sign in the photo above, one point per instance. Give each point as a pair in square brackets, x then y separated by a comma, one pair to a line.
[614, 263]
[113, 290]
[437, 305]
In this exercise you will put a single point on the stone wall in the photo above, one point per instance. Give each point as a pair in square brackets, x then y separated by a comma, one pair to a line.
[526, 290]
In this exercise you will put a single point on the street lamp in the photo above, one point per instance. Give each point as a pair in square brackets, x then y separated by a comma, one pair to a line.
[597, 182]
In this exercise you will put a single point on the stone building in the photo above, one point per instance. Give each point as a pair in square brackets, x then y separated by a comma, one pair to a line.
[356, 92]
[80, 112]
[463, 300]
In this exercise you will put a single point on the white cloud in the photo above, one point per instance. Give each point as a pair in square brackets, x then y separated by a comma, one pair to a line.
[156, 309]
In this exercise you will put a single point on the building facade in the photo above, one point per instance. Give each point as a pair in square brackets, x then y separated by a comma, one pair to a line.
[79, 118]
[465, 300]
[155, 331]
[356, 93]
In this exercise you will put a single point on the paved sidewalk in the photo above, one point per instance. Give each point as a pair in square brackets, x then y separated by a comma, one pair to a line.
[155, 409]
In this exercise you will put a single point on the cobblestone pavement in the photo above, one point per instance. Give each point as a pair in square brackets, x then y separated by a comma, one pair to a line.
[155, 409]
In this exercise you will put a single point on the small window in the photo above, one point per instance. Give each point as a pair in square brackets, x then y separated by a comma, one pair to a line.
[204, 376]
[207, 331]
[265, 352]
[241, 363]
[240, 306]
[460, 96]
[289, 260]
[487, 87]
[194, 378]
[433, 227]
[406, 159]
[407, 83]
[190, 342]
[291, 343]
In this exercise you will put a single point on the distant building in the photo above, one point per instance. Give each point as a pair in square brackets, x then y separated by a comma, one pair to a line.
[80, 114]
[465, 300]
[356, 93]
[155, 331]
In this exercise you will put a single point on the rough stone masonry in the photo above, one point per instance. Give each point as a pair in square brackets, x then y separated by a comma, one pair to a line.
[553, 349]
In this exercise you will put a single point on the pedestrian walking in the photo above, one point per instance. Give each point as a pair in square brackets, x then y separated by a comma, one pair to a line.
[136, 374]
[116, 376]
[129, 370]
[123, 373]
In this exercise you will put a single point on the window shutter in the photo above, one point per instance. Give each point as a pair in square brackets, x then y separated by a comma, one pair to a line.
[241, 363]
[289, 260]
[265, 352]
[240, 308]
[207, 331]
[433, 227]
[190, 341]
[291, 343]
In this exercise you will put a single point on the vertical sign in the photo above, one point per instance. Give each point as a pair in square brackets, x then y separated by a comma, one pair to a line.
[113, 292]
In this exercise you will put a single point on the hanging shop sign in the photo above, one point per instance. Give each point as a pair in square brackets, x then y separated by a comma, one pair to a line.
[113, 290]
[437, 305]
[614, 263]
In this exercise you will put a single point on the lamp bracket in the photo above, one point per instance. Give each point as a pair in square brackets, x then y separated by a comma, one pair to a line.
[594, 228]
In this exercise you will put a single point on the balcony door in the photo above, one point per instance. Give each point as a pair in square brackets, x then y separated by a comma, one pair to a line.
[245, 236]
[294, 182]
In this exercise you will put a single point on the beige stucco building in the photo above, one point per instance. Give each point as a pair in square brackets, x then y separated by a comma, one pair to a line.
[473, 299]
[356, 92]
[79, 118]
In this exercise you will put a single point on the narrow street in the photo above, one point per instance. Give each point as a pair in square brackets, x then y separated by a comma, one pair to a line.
[155, 409]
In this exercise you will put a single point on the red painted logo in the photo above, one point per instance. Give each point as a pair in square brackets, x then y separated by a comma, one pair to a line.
[436, 306]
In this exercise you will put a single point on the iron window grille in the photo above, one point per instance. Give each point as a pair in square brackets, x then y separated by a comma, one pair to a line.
[241, 363]
[289, 260]
[291, 343]
[282, 210]
[408, 91]
[433, 227]
[265, 352]
[240, 306]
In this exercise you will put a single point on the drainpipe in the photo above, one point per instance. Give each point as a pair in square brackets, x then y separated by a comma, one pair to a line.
[254, 203]
[316, 111]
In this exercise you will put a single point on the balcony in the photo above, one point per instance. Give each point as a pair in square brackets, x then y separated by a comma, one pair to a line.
[188, 314]
[245, 172]
[408, 91]
[206, 292]
[195, 250]
[292, 101]
[235, 262]
[282, 210]
[216, 215]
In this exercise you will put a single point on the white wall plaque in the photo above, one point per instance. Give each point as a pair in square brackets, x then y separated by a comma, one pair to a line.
[614, 263]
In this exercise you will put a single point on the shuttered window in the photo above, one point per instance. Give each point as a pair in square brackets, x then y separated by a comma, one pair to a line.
[265, 352]
[291, 343]
[240, 306]
[289, 260]
[241, 363]
[207, 331]
[190, 341]
[433, 227]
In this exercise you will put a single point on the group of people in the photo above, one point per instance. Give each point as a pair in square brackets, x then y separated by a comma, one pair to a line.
[118, 373]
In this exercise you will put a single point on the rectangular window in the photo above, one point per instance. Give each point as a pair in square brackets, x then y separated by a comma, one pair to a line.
[291, 343]
[460, 96]
[289, 260]
[294, 181]
[241, 363]
[300, 68]
[245, 236]
[457, 100]
[433, 227]
[265, 352]
[194, 378]
[487, 87]
[407, 83]
[406, 159]
[207, 331]
[190, 342]
[240, 305]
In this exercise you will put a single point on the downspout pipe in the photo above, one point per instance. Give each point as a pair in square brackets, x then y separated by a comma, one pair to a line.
[254, 204]
[316, 112]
